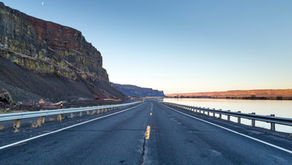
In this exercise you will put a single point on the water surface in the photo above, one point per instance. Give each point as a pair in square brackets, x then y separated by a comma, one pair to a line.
[281, 108]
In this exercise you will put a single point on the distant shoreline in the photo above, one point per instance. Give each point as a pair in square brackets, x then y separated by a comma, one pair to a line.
[256, 94]
[231, 98]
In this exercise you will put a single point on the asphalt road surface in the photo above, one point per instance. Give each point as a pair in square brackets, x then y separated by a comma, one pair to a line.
[151, 133]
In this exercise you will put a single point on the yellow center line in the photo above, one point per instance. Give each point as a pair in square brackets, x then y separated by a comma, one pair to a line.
[147, 133]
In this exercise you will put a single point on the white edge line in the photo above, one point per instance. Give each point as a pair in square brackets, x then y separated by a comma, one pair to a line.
[62, 129]
[235, 132]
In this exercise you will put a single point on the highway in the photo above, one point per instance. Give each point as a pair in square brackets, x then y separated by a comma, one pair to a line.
[172, 137]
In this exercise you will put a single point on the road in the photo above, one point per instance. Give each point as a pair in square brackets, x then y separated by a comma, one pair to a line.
[174, 138]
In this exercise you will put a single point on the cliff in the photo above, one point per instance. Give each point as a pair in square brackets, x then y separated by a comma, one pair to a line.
[135, 91]
[49, 52]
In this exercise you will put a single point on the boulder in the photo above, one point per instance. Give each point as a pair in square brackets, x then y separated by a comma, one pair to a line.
[5, 97]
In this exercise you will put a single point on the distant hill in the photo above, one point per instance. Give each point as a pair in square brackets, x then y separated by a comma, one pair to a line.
[135, 91]
[240, 94]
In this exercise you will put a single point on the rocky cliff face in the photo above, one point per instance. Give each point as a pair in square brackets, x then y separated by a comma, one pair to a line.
[135, 91]
[48, 48]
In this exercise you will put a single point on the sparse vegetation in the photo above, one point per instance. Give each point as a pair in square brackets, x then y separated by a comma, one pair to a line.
[63, 54]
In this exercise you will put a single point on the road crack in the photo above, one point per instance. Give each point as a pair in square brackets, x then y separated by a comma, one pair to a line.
[142, 160]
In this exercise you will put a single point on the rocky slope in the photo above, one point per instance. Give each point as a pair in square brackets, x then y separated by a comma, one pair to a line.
[135, 91]
[45, 59]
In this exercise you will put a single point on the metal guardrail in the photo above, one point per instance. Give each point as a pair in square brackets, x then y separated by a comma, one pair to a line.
[25, 115]
[17, 117]
[251, 116]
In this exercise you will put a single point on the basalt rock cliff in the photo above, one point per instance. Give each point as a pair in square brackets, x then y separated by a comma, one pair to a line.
[135, 91]
[41, 59]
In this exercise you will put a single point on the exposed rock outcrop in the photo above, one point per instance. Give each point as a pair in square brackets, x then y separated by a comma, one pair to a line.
[52, 50]
[5, 97]
[135, 91]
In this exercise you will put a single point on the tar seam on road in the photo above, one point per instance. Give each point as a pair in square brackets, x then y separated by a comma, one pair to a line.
[147, 136]
[235, 132]
[62, 129]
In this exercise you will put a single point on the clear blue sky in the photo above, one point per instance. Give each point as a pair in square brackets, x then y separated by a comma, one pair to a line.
[182, 45]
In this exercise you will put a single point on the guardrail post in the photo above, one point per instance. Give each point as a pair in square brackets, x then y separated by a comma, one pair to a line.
[208, 113]
[228, 116]
[59, 117]
[80, 114]
[220, 114]
[273, 124]
[71, 115]
[239, 118]
[16, 125]
[253, 120]
[214, 114]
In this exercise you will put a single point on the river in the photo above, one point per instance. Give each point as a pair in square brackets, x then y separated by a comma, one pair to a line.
[281, 108]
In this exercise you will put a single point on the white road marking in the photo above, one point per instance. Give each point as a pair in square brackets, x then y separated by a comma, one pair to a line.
[235, 132]
[62, 129]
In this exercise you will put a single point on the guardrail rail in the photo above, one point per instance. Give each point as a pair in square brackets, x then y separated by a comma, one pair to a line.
[17, 117]
[272, 119]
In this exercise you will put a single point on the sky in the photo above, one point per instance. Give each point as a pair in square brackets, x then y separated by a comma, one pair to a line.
[182, 45]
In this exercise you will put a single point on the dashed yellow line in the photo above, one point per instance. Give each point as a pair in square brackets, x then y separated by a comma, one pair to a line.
[147, 133]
